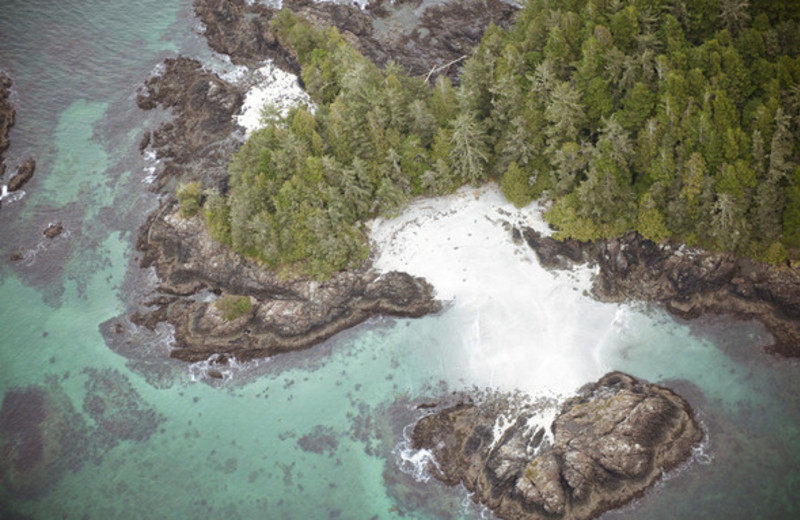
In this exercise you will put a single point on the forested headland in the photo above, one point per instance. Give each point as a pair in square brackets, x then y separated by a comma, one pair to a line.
[676, 121]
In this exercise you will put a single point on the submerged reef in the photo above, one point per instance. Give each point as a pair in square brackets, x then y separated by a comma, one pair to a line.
[43, 436]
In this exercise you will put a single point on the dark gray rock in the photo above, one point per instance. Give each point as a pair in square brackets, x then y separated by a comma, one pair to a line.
[610, 443]
[198, 141]
[285, 314]
[7, 114]
[53, 230]
[24, 174]
[688, 282]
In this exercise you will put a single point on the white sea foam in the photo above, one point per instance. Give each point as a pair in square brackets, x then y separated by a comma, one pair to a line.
[518, 325]
[501, 424]
[275, 87]
[275, 4]
[362, 4]
[414, 462]
[151, 167]
[29, 255]
[222, 66]
[9, 197]
[203, 370]
[544, 421]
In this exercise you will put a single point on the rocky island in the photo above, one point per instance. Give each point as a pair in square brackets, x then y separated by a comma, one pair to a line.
[659, 145]
[605, 447]
[608, 444]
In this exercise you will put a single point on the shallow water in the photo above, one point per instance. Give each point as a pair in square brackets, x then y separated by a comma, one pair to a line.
[88, 433]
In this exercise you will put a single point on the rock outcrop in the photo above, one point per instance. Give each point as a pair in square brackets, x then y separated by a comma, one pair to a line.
[688, 282]
[197, 142]
[53, 230]
[607, 445]
[7, 118]
[281, 315]
[7, 114]
[24, 174]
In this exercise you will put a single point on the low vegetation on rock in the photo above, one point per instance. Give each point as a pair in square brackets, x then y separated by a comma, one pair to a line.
[233, 307]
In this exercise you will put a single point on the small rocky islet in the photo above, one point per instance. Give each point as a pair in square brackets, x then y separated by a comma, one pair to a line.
[606, 446]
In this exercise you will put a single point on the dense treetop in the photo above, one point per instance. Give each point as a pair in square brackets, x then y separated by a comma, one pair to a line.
[647, 115]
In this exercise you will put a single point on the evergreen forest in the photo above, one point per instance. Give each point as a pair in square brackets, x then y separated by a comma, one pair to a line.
[676, 119]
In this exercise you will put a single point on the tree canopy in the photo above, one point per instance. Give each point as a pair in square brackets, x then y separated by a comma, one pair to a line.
[627, 115]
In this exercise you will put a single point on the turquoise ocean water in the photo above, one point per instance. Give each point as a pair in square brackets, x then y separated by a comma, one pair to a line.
[88, 433]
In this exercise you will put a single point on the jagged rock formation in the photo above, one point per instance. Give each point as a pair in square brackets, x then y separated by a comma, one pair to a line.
[7, 118]
[609, 444]
[197, 142]
[282, 315]
[24, 174]
[688, 282]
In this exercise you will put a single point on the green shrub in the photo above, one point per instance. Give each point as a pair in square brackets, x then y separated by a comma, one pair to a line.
[189, 196]
[233, 307]
[516, 187]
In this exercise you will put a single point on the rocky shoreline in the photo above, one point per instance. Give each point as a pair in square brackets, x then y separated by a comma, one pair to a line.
[7, 115]
[196, 144]
[282, 315]
[689, 283]
[384, 31]
[7, 118]
[606, 446]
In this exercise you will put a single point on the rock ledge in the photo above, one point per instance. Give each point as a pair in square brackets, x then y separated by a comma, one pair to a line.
[284, 315]
[688, 282]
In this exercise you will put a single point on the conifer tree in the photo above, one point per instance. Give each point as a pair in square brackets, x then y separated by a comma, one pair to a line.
[770, 199]
[565, 115]
[468, 155]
